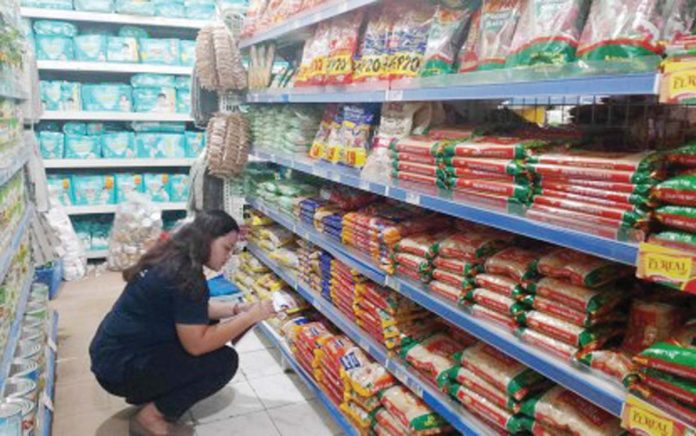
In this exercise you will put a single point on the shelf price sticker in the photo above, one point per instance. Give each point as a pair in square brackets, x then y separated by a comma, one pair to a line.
[679, 86]
[667, 266]
[642, 418]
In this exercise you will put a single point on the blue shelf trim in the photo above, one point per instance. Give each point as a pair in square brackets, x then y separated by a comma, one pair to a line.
[17, 235]
[304, 20]
[455, 414]
[586, 383]
[617, 251]
[50, 388]
[334, 411]
[17, 163]
[13, 337]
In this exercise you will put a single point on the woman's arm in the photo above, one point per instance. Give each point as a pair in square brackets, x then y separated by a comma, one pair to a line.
[221, 310]
[199, 339]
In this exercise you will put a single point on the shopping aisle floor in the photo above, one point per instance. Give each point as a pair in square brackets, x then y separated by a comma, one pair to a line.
[262, 399]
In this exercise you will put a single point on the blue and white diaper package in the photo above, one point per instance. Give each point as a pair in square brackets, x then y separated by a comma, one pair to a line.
[200, 12]
[71, 96]
[159, 51]
[155, 99]
[127, 183]
[133, 32]
[195, 143]
[135, 7]
[178, 187]
[183, 82]
[51, 144]
[122, 49]
[93, 189]
[187, 52]
[50, 91]
[114, 97]
[161, 145]
[100, 235]
[82, 147]
[65, 5]
[156, 186]
[75, 128]
[54, 28]
[170, 8]
[118, 145]
[183, 101]
[158, 126]
[90, 48]
[94, 5]
[148, 80]
[60, 187]
[83, 230]
[95, 30]
[54, 48]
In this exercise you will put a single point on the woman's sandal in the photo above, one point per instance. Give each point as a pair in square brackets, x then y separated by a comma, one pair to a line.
[135, 428]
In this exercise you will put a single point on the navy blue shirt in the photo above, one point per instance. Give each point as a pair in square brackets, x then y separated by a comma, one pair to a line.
[143, 318]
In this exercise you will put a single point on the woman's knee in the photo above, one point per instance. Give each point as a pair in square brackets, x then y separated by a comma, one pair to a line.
[225, 363]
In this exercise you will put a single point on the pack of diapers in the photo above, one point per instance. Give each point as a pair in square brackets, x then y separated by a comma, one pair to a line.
[54, 48]
[178, 187]
[75, 128]
[93, 189]
[91, 128]
[155, 99]
[82, 147]
[54, 28]
[90, 48]
[159, 51]
[149, 80]
[111, 97]
[51, 145]
[71, 96]
[126, 184]
[65, 5]
[239, 6]
[161, 145]
[158, 126]
[83, 230]
[100, 235]
[118, 145]
[122, 49]
[195, 143]
[170, 8]
[96, 30]
[133, 32]
[200, 12]
[187, 52]
[183, 101]
[135, 7]
[94, 5]
[51, 92]
[60, 188]
[183, 82]
[156, 186]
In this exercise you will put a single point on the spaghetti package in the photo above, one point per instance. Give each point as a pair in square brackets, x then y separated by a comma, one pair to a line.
[617, 193]
[488, 410]
[581, 299]
[343, 45]
[583, 338]
[500, 284]
[564, 411]
[497, 166]
[501, 371]
[548, 32]
[580, 269]
[411, 412]
[684, 156]
[447, 29]
[516, 263]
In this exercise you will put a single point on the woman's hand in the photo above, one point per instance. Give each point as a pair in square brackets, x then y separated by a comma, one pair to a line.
[238, 308]
[262, 310]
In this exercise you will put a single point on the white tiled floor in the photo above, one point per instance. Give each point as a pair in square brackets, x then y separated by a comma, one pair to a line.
[262, 399]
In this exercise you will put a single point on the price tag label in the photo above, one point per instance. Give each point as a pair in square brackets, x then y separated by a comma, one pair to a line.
[413, 198]
[668, 266]
[52, 345]
[641, 417]
[364, 185]
[395, 95]
[678, 86]
[46, 399]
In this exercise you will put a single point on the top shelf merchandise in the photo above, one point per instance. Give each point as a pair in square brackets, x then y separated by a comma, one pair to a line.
[111, 18]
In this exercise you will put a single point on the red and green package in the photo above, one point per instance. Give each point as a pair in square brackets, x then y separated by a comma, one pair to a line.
[425, 169]
[603, 191]
[516, 263]
[415, 177]
[679, 240]
[491, 412]
[548, 32]
[645, 161]
[465, 173]
[678, 217]
[420, 146]
[503, 320]
[343, 45]
[471, 245]
[679, 191]
[492, 187]
[454, 280]
[677, 409]
[499, 19]
[432, 355]
[503, 372]
[446, 290]
[568, 412]
[582, 319]
[684, 156]
[425, 245]
[545, 342]
[404, 157]
[584, 199]
[495, 147]
[615, 364]
[468, 57]
[444, 38]
[500, 284]
[495, 301]
[460, 268]
[595, 302]
[628, 218]
[576, 172]
[579, 268]
[409, 410]
[510, 205]
[476, 384]
[673, 359]
[592, 224]
[674, 386]
[585, 338]
[500, 166]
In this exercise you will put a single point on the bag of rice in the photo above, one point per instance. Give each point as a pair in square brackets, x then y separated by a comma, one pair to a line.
[582, 319]
[545, 342]
[516, 263]
[481, 311]
[500, 284]
[670, 358]
[615, 364]
[596, 302]
[491, 412]
[409, 410]
[503, 372]
[475, 383]
[500, 166]
[370, 379]
[493, 147]
[678, 217]
[585, 338]
[423, 245]
[456, 280]
[444, 290]
[471, 246]
[579, 268]
[674, 386]
[495, 301]
[680, 191]
[432, 355]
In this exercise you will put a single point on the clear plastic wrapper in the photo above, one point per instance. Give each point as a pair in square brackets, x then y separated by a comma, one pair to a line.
[137, 225]
[444, 38]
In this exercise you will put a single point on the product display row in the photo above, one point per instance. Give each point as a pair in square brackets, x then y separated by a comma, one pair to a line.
[86, 189]
[10, 130]
[192, 9]
[12, 208]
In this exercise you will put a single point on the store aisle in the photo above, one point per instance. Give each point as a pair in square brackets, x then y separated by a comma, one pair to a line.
[261, 399]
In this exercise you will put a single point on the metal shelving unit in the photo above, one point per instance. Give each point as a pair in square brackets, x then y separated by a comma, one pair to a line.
[46, 400]
[111, 208]
[448, 408]
[13, 336]
[16, 238]
[114, 116]
[581, 380]
[113, 67]
[17, 163]
[117, 163]
[111, 18]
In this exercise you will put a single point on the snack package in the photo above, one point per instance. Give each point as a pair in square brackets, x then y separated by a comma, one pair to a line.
[487, 409]
[343, 45]
[678, 217]
[409, 410]
[561, 409]
[499, 19]
[444, 38]
[547, 32]
[501, 371]
[576, 297]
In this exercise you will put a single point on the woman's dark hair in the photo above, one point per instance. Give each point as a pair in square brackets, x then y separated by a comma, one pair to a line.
[184, 254]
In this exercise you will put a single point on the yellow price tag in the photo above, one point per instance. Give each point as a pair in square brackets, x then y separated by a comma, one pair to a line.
[678, 86]
[640, 417]
[333, 153]
[667, 265]
[340, 65]
[370, 66]
[318, 151]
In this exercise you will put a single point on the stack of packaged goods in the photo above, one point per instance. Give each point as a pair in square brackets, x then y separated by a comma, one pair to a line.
[414, 255]
[361, 395]
[414, 159]
[284, 192]
[461, 257]
[13, 206]
[304, 339]
[310, 266]
[575, 305]
[337, 355]
[286, 129]
[601, 193]
[345, 287]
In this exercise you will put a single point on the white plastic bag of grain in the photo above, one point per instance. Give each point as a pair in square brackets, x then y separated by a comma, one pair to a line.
[71, 250]
[137, 226]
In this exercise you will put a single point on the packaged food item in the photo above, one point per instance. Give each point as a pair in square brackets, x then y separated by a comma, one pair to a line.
[684, 156]
[496, 302]
[615, 364]
[547, 32]
[490, 411]
[343, 45]
[408, 39]
[586, 338]
[545, 342]
[368, 380]
[475, 383]
[674, 386]
[446, 290]
[413, 262]
[670, 358]
[561, 409]
[650, 322]
[432, 355]
[582, 299]
[579, 268]
[492, 147]
[516, 263]
[499, 19]
[500, 166]
[444, 38]
[455, 270]
[598, 174]
[471, 245]
[676, 408]
[679, 191]
[500, 284]
[388, 424]
[483, 312]
[501, 371]
[468, 57]
[635, 195]
[678, 217]
[628, 218]
[581, 319]
[409, 410]
[422, 245]
[373, 58]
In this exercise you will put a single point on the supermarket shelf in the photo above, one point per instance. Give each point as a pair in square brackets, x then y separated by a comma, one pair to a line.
[11, 85]
[15, 330]
[333, 410]
[17, 236]
[111, 208]
[112, 67]
[97, 254]
[455, 414]
[116, 163]
[291, 27]
[114, 116]
[335, 94]
[618, 251]
[20, 159]
[46, 406]
[97, 17]
[584, 382]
